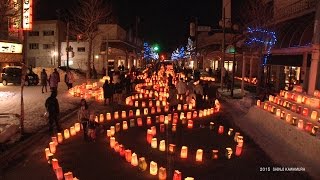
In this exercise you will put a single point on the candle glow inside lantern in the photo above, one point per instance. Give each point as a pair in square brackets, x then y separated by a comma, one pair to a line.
[139, 122]
[199, 155]
[181, 115]
[308, 126]
[112, 130]
[177, 175]
[124, 125]
[154, 143]
[188, 115]
[190, 124]
[108, 116]
[66, 134]
[278, 112]
[153, 168]
[161, 118]
[112, 142]
[205, 112]
[123, 114]
[54, 140]
[145, 111]
[52, 147]
[130, 113]
[158, 109]
[299, 99]
[184, 152]
[172, 148]
[238, 150]
[55, 164]
[153, 110]
[215, 154]
[195, 114]
[134, 159]
[101, 118]
[200, 113]
[300, 124]
[221, 129]
[185, 107]
[149, 135]
[174, 128]
[162, 145]
[72, 131]
[288, 118]
[68, 176]
[294, 121]
[60, 138]
[59, 173]
[136, 103]
[149, 120]
[150, 103]
[121, 150]
[230, 131]
[190, 107]
[305, 111]
[228, 153]
[116, 147]
[162, 173]
[47, 152]
[258, 103]
[143, 104]
[116, 115]
[77, 127]
[142, 164]
[179, 107]
[128, 155]
[314, 115]
[154, 130]
[314, 130]
[138, 112]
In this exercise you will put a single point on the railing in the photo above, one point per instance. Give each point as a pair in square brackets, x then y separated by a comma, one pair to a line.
[295, 8]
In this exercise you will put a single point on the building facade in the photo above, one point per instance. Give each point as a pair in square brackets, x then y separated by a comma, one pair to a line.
[44, 43]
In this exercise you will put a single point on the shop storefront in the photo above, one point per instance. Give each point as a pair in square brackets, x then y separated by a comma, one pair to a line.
[10, 54]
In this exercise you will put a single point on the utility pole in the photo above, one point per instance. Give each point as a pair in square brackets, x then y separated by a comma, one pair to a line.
[68, 49]
[223, 45]
[107, 48]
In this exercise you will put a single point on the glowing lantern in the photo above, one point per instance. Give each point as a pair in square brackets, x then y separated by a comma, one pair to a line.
[188, 115]
[299, 99]
[116, 115]
[162, 145]
[121, 150]
[190, 107]
[149, 135]
[308, 127]
[55, 164]
[54, 140]
[185, 107]
[161, 118]
[166, 108]
[205, 112]
[153, 168]
[164, 103]
[108, 116]
[96, 119]
[77, 127]
[177, 175]
[153, 110]
[200, 113]
[112, 130]
[190, 124]
[136, 103]
[50, 157]
[128, 155]
[142, 164]
[60, 138]
[134, 159]
[305, 111]
[47, 152]
[288, 118]
[130, 113]
[52, 147]
[139, 121]
[179, 107]
[294, 121]
[150, 103]
[282, 115]
[195, 114]
[215, 154]
[153, 130]
[154, 143]
[149, 121]
[184, 152]
[240, 141]
[101, 118]
[117, 127]
[143, 104]
[181, 115]
[299, 110]
[314, 130]
[189, 178]
[112, 142]
[72, 131]
[138, 112]
[228, 153]
[258, 103]
[199, 155]
[158, 103]
[300, 124]
[145, 111]
[116, 147]
[294, 107]
[236, 136]
[174, 128]
[314, 115]
[278, 113]
[68, 176]
[172, 148]
[162, 173]
[221, 129]
[238, 150]
[66, 134]
[59, 173]
[158, 109]
[108, 133]
[124, 125]
[230, 131]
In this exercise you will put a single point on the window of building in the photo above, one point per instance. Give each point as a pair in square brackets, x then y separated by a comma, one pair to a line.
[34, 33]
[47, 46]
[48, 33]
[33, 46]
[81, 49]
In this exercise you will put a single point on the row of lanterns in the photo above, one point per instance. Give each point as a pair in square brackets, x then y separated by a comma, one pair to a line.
[87, 91]
[302, 99]
[49, 152]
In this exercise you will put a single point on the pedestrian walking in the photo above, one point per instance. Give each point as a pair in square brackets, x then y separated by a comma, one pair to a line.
[52, 106]
[69, 79]
[54, 79]
[107, 92]
[92, 126]
[182, 88]
[83, 117]
[44, 80]
[198, 90]
[173, 101]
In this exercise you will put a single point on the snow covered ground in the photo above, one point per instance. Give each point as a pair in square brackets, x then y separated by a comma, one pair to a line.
[34, 101]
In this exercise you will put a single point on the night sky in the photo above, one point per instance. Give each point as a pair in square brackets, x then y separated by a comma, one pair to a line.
[165, 22]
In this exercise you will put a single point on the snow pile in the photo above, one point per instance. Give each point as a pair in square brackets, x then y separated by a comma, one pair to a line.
[5, 95]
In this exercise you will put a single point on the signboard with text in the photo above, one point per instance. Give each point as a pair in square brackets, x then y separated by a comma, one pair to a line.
[6, 47]
[27, 15]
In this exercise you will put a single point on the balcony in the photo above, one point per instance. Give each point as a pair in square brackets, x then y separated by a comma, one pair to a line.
[294, 10]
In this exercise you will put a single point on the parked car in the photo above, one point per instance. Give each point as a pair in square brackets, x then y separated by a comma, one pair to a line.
[12, 74]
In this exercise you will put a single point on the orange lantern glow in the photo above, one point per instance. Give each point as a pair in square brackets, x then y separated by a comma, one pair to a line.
[188, 115]
[190, 107]
[136, 103]
[205, 112]
[145, 111]
[116, 146]
[199, 155]
[150, 103]
[149, 135]
[153, 168]
[158, 103]
[77, 127]
[314, 115]
[134, 159]
[221, 129]
[66, 134]
[308, 127]
[112, 130]
[162, 145]
[60, 138]
[149, 122]
[195, 114]
[72, 131]
[238, 150]
[181, 115]
[154, 130]
[108, 133]
[158, 109]
[230, 131]
[258, 103]
[288, 118]
[166, 108]
[143, 104]
[215, 154]
[122, 150]
[52, 147]
[130, 113]
[177, 175]
[108, 116]
[47, 152]
[278, 113]
[172, 148]
[154, 143]
[116, 115]
[162, 173]
[139, 122]
[128, 155]
[174, 128]
[184, 152]
[55, 164]
[68, 176]
[300, 124]
[59, 173]
[228, 153]
[185, 107]
[123, 114]
[54, 140]
[179, 107]
[200, 113]
[299, 99]
[101, 118]
[142, 164]
[305, 112]
[124, 125]
[161, 118]
[112, 142]
[153, 110]
[314, 130]
[190, 124]
[236, 136]
[138, 112]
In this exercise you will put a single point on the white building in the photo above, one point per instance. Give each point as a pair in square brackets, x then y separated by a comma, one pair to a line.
[43, 43]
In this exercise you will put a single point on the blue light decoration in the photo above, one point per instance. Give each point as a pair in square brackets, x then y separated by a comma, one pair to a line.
[149, 53]
[178, 54]
[258, 37]
[190, 52]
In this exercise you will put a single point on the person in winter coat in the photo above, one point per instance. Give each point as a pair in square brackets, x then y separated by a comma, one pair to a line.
[44, 80]
[52, 106]
[107, 92]
[69, 79]
[181, 87]
[173, 101]
[83, 117]
[198, 90]
[54, 79]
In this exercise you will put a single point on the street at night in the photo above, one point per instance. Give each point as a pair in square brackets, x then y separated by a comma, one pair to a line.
[104, 89]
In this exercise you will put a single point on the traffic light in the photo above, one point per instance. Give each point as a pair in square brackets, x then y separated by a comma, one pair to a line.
[156, 48]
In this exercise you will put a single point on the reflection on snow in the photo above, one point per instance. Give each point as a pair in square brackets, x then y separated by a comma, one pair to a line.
[5, 95]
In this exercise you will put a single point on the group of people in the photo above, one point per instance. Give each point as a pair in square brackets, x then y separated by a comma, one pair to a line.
[54, 80]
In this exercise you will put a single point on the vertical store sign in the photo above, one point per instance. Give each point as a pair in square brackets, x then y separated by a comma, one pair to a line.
[15, 21]
[27, 15]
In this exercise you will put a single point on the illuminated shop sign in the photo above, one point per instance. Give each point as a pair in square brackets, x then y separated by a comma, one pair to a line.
[27, 15]
[10, 47]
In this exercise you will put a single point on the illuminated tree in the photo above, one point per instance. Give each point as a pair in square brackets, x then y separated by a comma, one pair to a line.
[149, 53]
[190, 52]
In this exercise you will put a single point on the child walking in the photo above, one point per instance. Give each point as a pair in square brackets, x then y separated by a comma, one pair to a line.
[83, 117]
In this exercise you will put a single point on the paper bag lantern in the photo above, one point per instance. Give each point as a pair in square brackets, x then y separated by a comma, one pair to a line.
[179, 107]
[143, 104]
[150, 104]
[172, 148]
[162, 173]
[181, 115]
[77, 127]
[228, 153]
[184, 152]
[174, 128]
[314, 130]
[139, 122]
[158, 103]
[300, 124]
[59, 173]
[60, 138]
[190, 124]
[68, 176]
[142, 164]
[190, 106]
[154, 143]
[112, 130]
[158, 109]
[112, 142]
[124, 125]
[66, 134]
[305, 112]
[200, 113]
[116, 147]
[130, 113]
[136, 103]
[128, 155]
[108, 116]
[132, 123]
[205, 112]
[278, 112]
[258, 103]
[55, 164]
[145, 111]
[54, 140]
[153, 110]
[230, 131]
[52, 147]
[122, 150]
[123, 114]
[149, 122]
[116, 115]
[162, 145]
[211, 126]
[314, 115]
[177, 175]
[221, 129]
[47, 152]
[153, 168]
[238, 150]
[288, 118]
[149, 135]
[138, 112]
[185, 107]
[154, 130]
[215, 154]
[236, 136]
[195, 114]
[188, 115]
[101, 118]
[199, 155]
[72, 131]
[308, 127]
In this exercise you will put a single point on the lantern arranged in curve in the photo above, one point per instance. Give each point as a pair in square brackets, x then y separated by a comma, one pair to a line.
[153, 168]
[184, 152]
[199, 155]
